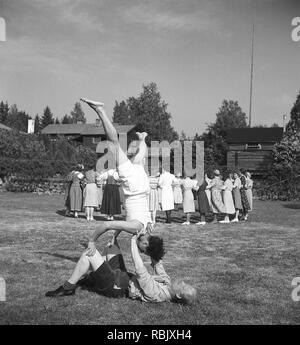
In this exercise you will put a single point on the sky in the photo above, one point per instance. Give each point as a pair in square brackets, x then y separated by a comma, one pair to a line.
[196, 51]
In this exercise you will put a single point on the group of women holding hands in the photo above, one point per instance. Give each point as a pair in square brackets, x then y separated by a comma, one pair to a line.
[92, 190]
[226, 198]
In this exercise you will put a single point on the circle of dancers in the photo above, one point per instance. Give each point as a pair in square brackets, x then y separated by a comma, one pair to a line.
[223, 199]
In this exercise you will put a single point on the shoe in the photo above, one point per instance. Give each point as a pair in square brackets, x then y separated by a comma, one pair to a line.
[235, 220]
[186, 223]
[201, 223]
[224, 221]
[60, 292]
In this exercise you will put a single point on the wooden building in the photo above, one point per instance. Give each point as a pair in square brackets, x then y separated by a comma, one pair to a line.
[251, 148]
[88, 134]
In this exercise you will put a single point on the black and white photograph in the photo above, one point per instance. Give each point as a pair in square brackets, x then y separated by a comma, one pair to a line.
[149, 165]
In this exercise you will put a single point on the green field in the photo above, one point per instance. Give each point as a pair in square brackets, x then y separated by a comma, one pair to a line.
[243, 271]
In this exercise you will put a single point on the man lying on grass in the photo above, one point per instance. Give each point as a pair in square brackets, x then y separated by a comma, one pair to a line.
[110, 277]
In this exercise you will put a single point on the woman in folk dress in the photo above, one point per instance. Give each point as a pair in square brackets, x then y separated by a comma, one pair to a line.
[227, 198]
[99, 183]
[111, 203]
[237, 196]
[167, 197]
[249, 185]
[245, 202]
[203, 203]
[153, 196]
[209, 177]
[76, 191]
[188, 197]
[216, 194]
[177, 191]
[90, 194]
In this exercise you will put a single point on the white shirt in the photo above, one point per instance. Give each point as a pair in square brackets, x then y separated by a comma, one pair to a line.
[134, 179]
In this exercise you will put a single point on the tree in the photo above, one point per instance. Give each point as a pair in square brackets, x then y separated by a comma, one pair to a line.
[77, 114]
[121, 113]
[4, 109]
[17, 119]
[285, 169]
[47, 118]
[183, 136]
[294, 123]
[57, 121]
[229, 115]
[67, 119]
[37, 124]
[149, 112]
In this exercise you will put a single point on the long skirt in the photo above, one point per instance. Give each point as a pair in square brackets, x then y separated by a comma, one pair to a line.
[100, 194]
[188, 201]
[237, 199]
[228, 202]
[203, 203]
[217, 202]
[68, 201]
[153, 200]
[122, 197]
[90, 195]
[167, 198]
[75, 198]
[111, 200]
[250, 198]
[245, 202]
[208, 194]
[177, 195]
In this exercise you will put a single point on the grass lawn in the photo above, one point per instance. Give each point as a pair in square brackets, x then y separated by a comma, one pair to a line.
[243, 271]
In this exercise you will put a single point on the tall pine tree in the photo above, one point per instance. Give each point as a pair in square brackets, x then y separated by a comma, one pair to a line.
[294, 123]
[4, 109]
[47, 118]
[37, 124]
[77, 114]
[148, 112]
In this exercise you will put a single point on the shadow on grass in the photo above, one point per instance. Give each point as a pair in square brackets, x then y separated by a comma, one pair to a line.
[61, 256]
[294, 206]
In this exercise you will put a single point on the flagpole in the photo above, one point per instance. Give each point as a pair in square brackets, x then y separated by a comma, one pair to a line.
[251, 77]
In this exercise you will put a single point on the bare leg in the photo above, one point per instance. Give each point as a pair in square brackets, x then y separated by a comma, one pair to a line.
[131, 227]
[188, 217]
[110, 131]
[154, 216]
[83, 266]
[92, 213]
[236, 218]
